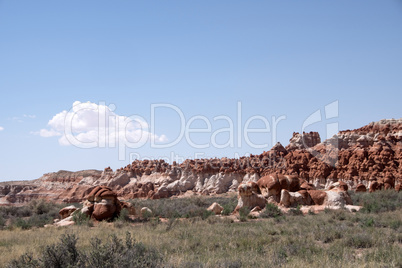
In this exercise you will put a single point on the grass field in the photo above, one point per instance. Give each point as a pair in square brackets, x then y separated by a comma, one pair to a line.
[370, 238]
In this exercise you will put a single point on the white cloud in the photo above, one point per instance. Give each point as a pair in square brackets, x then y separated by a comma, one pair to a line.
[1, 128]
[32, 116]
[48, 133]
[19, 119]
[88, 125]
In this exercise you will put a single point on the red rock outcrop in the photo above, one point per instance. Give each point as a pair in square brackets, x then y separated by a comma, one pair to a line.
[369, 156]
[360, 188]
[273, 184]
[102, 204]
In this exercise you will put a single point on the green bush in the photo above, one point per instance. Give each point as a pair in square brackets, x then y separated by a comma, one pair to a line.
[271, 211]
[295, 211]
[379, 201]
[13, 211]
[243, 213]
[20, 223]
[359, 241]
[36, 213]
[124, 215]
[40, 206]
[206, 214]
[228, 208]
[82, 219]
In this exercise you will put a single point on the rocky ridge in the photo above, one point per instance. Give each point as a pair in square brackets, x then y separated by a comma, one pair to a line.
[370, 156]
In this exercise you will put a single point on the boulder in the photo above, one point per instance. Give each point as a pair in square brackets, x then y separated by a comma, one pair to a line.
[215, 208]
[317, 196]
[375, 186]
[289, 199]
[360, 188]
[65, 222]
[67, 211]
[120, 180]
[146, 212]
[271, 185]
[102, 204]
[337, 197]
[342, 185]
[334, 197]
[307, 186]
[249, 196]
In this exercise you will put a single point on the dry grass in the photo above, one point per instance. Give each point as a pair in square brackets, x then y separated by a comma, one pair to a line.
[331, 239]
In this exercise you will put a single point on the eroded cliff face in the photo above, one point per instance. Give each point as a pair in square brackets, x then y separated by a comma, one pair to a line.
[61, 186]
[360, 156]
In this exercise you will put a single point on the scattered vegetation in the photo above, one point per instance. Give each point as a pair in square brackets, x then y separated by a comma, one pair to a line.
[185, 207]
[295, 211]
[271, 211]
[112, 253]
[379, 201]
[336, 238]
[37, 213]
[243, 213]
[82, 219]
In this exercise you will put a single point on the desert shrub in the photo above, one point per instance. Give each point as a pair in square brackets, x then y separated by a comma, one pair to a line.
[359, 241]
[112, 253]
[40, 206]
[271, 211]
[243, 213]
[339, 214]
[2, 222]
[367, 221]
[124, 216]
[295, 211]
[328, 233]
[228, 208]
[171, 223]
[206, 214]
[29, 222]
[13, 211]
[394, 224]
[25, 261]
[19, 223]
[37, 213]
[379, 201]
[63, 254]
[40, 220]
[122, 219]
[115, 253]
[82, 219]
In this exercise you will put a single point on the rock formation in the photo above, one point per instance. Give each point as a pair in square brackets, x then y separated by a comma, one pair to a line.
[272, 185]
[215, 208]
[67, 211]
[249, 196]
[370, 156]
[102, 204]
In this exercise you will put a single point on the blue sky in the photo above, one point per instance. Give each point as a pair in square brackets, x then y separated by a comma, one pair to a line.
[277, 58]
